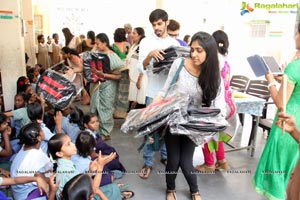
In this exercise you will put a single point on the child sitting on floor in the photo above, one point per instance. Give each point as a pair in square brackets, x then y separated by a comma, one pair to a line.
[91, 124]
[30, 160]
[62, 149]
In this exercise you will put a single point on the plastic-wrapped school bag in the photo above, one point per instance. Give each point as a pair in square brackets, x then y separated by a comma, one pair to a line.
[201, 124]
[75, 78]
[56, 89]
[171, 53]
[99, 61]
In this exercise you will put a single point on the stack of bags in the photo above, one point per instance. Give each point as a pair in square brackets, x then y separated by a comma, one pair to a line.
[171, 53]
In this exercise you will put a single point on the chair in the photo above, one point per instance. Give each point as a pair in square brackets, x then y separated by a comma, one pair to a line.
[259, 88]
[239, 83]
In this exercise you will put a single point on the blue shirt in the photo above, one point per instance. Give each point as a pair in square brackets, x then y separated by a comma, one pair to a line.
[70, 129]
[48, 134]
[82, 164]
[65, 171]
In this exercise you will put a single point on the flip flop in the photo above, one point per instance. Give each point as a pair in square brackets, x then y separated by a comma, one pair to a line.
[127, 194]
[145, 172]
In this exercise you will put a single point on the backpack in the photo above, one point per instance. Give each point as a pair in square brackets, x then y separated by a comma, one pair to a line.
[56, 89]
[99, 61]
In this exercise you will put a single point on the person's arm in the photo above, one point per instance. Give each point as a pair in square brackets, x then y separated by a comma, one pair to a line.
[277, 96]
[36, 48]
[101, 162]
[53, 187]
[9, 114]
[290, 125]
[5, 172]
[139, 81]
[41, 183]
[157, 54]
[78, 63]
[58, 122]
[115, 77]
[6, 151]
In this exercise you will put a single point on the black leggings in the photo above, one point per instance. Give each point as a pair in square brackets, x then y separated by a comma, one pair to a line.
[180, 151]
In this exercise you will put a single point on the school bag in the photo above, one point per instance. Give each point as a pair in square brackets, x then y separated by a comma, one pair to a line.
[97, 60]
[56, 89]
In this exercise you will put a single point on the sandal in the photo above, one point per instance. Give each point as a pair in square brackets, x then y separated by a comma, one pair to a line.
[222, 165]
[145, 172]
[196, 196]
[163, 161]
[171, 195]
[205, 168]
[105, 137]
[127, 194]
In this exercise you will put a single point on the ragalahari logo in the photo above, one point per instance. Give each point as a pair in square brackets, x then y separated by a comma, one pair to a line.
[246, 8]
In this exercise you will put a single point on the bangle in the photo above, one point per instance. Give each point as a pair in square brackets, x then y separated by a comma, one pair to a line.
[271, 84]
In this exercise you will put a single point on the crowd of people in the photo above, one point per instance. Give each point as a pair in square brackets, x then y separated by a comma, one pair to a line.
[62, 153]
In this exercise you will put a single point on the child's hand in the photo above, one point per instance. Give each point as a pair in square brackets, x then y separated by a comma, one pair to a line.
[58, 118]
[5, 173]
[42, 185]
[104, 160]
[54, 185]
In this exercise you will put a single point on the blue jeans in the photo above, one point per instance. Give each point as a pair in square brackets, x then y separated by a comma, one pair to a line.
[148, 154]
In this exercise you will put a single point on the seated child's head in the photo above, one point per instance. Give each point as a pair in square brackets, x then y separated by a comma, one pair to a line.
[20, 100]
[32, 78]
[22, 82]
[76, 116]
[78, 188]
[31, 134]
[35, 112]
[85, 144]
[31, 94]
[90, 121]
[61, 146]
[3, 122]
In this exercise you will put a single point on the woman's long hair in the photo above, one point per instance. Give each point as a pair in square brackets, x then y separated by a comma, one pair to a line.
[68, 35]
[141, 32]
[209, 79]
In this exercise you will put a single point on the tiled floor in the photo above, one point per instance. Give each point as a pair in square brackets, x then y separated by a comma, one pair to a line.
[234, 184]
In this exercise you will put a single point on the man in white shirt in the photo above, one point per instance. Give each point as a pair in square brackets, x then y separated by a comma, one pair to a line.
[151, 49]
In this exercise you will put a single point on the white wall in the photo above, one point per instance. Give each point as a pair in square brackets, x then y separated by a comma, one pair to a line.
[193, 15]
[12, 54]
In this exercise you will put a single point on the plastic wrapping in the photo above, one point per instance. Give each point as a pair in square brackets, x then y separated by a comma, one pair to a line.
[97, 60]
[139, 119]
[75, 78]
[56, 89]
[171, 53]
[200, 124]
